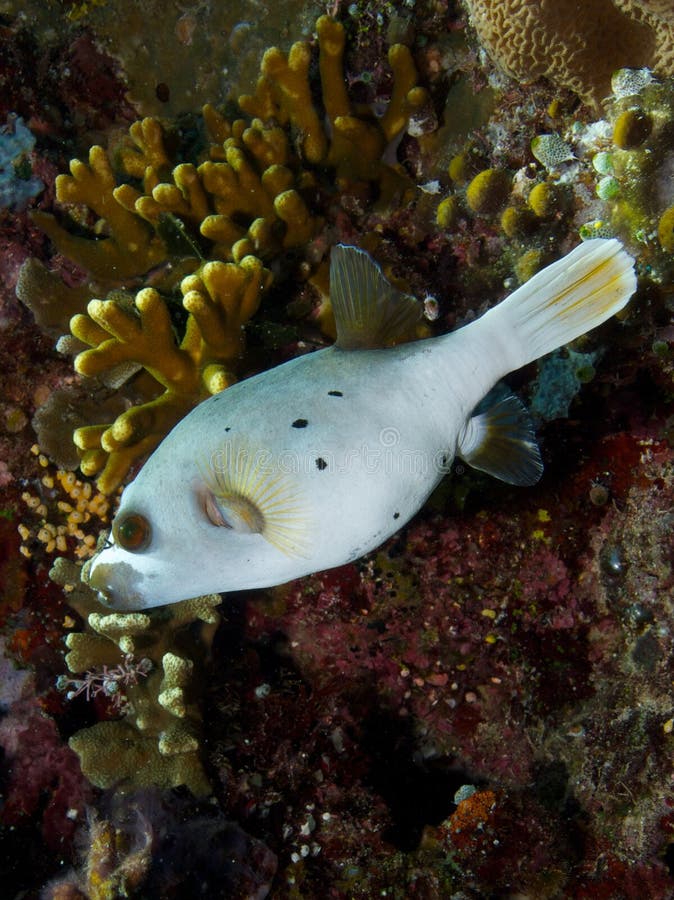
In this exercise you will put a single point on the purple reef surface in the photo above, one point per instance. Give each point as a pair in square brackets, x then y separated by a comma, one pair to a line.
[483, 707]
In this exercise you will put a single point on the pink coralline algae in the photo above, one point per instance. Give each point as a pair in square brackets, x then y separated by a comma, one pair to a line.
[492, 647]
[43, 776]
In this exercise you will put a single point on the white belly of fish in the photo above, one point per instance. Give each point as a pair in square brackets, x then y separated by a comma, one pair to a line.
[359, 439]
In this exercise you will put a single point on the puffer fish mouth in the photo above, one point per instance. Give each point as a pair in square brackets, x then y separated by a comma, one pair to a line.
[105, 598]
[114, 583]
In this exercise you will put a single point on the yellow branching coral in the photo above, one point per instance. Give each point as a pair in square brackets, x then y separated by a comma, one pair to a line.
[131, 247]
[208, 224]
[254, 182]
[157, 740]
[244, 198]
[284, 95]
[356, 141]
[146, 157]
[220, 298]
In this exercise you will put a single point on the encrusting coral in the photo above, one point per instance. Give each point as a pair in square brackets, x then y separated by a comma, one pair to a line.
[634, 168]
[157, 741]
[209, 226]
[116, 864]
[608, 178]
[575, 45]
[140, 845]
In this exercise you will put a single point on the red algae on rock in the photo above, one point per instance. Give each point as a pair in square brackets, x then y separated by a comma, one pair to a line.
[43, 784]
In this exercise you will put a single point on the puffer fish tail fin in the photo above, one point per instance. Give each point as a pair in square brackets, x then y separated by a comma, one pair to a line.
[566, 299]
[501, 442]
[369, 312]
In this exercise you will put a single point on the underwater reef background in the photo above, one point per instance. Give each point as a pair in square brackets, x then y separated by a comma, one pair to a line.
[485, 706]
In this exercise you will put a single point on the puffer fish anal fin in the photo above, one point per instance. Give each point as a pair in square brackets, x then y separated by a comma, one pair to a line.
[245, 492]
[501, 441]
[369, 312]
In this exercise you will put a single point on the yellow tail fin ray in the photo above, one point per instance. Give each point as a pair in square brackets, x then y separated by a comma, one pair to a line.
[566, 299]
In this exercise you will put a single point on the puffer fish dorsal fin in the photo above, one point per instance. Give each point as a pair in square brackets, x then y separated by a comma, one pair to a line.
[369, 312]
[245, 492]
[501, 442]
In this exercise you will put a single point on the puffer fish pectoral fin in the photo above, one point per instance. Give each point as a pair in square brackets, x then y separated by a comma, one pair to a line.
[244, 491]
[369, 312]
[501, 442]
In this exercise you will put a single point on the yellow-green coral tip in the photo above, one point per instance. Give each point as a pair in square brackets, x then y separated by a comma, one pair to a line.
[488, 192]
[631, 129]
[447, 212]
[517, 221]
[528, 264]
[666, 230]
[216, 378]
[544, 200]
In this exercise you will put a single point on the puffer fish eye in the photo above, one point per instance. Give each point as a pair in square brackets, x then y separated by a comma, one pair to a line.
[214, 512]
[132, 532]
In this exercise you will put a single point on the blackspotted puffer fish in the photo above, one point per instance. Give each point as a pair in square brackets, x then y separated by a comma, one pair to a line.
[314, 463]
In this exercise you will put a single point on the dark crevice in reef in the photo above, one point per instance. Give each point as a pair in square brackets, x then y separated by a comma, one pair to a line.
[417, 794]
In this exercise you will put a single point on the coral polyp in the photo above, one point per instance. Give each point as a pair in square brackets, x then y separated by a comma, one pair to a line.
[65, 513]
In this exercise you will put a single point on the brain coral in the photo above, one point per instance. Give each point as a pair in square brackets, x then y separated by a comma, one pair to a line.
[662, 9]
[576, 45]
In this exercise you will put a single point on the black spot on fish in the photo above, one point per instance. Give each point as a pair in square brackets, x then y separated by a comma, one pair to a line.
[396, 515]
[321, 464]
[228, 428]
[335, 394]
[300, 423]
